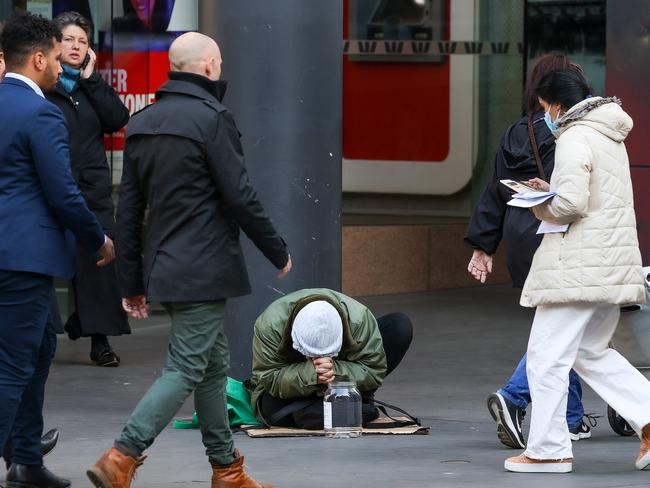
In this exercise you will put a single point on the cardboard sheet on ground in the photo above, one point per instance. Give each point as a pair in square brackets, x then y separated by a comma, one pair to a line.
[258, 432]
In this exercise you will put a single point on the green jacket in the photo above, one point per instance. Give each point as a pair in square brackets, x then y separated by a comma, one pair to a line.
[283, 372]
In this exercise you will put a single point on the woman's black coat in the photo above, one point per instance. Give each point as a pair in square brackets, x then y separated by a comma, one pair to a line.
[494, 220]
[92, 110]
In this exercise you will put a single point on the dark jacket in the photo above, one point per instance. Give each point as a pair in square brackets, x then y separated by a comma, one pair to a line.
[92, 110]
[492, 219]
[38, 197]
[183, 159]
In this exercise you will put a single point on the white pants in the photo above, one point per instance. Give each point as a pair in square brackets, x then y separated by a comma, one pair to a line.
[577, 335]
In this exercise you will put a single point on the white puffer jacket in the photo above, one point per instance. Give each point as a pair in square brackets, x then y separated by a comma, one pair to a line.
[598, 258]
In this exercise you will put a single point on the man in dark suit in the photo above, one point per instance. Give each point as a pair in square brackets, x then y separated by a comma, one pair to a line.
[184, 160]
[38, 202]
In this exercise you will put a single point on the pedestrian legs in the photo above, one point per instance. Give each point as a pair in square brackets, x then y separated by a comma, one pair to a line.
[578, 333]
[197, 359]
[24, 307]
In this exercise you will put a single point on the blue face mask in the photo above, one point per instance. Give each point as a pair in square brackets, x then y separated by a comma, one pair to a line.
[552, 126]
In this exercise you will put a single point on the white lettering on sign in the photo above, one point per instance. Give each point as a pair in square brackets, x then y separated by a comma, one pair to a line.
[116, 78]
[135, 102]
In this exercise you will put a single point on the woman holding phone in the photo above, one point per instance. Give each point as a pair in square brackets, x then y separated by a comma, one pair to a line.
[91, 108]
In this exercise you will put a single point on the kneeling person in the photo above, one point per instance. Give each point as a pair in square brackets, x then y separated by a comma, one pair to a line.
[306, 339]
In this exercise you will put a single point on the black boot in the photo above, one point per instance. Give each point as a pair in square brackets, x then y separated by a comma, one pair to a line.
[24, 476]
[101, 352]
[48, 442]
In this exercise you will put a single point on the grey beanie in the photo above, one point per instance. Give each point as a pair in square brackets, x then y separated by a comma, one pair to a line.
[317, 330]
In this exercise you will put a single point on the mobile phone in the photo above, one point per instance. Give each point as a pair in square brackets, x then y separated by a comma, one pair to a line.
[85, 62]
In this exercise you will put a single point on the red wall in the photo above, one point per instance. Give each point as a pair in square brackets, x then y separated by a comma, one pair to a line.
[395, 111]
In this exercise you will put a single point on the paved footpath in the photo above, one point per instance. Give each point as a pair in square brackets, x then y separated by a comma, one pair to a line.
[466, 344]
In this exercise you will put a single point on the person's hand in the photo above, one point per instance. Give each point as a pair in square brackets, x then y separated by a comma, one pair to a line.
[107, 252]
[324, 370]
[480, 265]
[287, 267]
[90, 67]
[137, 306]
[539, 184]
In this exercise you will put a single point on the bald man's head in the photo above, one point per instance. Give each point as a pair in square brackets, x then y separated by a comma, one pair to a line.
[196, 53]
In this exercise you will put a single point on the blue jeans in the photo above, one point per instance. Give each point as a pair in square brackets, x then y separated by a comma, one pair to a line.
[517, 392]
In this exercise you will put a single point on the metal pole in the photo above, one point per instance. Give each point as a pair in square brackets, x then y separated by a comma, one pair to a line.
[283, 63]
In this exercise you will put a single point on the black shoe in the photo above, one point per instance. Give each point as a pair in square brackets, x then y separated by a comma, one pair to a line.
[508, 417]
[23, 476]
[49, 440]
[103, 355]
[72, 327]
[48, 443]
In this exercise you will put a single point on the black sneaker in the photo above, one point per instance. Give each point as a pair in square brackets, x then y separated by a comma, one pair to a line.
[583, 431]
[508, 417]
[104, 356]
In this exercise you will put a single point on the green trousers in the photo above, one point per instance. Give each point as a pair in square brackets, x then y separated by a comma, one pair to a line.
[197, 361]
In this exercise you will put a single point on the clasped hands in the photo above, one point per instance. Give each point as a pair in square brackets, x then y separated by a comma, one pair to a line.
[324, 370]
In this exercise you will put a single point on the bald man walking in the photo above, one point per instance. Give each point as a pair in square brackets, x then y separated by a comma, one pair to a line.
[184, 160]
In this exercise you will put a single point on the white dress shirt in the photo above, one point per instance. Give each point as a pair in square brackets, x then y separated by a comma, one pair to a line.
[29, 82]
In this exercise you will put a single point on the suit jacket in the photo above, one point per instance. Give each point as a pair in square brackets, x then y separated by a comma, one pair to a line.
[184, 160]
[39, 199]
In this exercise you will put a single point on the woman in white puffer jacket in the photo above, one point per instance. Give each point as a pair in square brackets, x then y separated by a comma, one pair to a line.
[579, 278]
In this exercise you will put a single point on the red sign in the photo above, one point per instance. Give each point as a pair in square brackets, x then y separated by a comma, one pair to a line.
[135, 76]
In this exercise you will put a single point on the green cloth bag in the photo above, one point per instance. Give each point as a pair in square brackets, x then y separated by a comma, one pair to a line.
[240, 411]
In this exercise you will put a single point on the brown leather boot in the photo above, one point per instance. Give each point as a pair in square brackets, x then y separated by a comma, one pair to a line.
[643, 461]
[114, 470]
[234, 476]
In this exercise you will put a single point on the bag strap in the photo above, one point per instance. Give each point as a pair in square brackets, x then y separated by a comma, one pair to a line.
[533, 143]
[293, 407]
[383, 406]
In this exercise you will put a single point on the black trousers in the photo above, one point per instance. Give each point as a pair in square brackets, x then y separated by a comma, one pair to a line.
[396, 332]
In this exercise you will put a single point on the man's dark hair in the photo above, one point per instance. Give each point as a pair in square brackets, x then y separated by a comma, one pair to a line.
[566, 87]
[65, 19]
[24, 34]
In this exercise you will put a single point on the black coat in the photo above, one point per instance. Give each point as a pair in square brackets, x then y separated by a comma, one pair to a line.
[492, 219]
[92, 110]
[183, 159]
